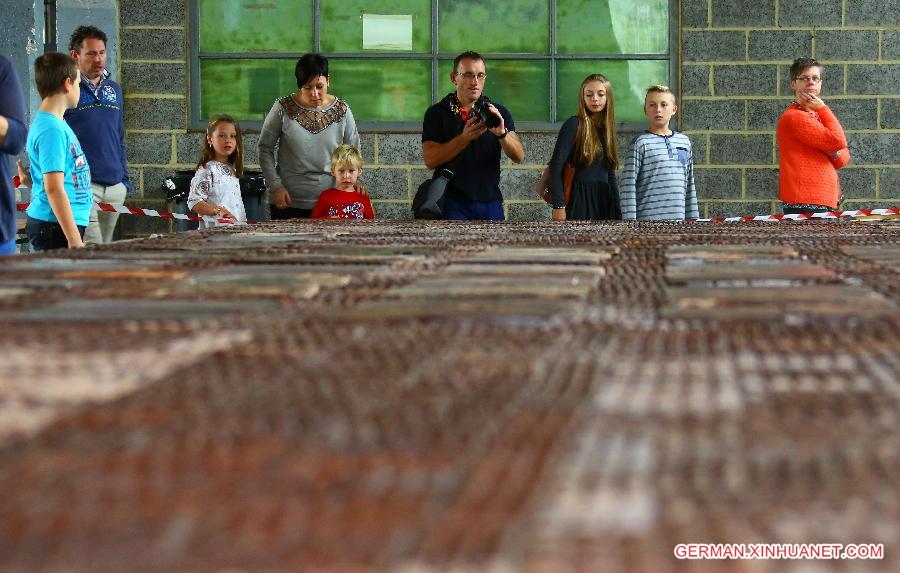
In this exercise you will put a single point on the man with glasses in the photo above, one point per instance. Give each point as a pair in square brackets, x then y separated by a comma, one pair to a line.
[812, 146]
[453, 137]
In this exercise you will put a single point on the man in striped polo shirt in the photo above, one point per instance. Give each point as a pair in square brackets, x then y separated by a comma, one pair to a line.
[658, 180]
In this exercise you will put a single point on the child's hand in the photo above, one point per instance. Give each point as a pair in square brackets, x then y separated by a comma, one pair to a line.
[281, 198]
[223, 213]
[24, 175]
[360, 189]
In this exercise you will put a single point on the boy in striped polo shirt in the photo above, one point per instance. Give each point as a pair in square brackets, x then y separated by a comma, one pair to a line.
[658, 180]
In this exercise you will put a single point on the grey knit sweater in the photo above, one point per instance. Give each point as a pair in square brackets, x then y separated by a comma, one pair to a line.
[295, 147]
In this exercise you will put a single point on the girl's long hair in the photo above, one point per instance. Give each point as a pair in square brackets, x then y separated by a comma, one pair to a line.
[236, 159]
[597, 135]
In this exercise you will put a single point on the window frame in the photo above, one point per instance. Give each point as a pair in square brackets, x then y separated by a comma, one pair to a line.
[196, 122]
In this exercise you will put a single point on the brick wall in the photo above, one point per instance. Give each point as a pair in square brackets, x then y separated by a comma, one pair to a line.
[733, 82]
[735, 77]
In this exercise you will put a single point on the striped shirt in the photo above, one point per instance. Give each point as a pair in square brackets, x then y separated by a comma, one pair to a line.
[658, 180]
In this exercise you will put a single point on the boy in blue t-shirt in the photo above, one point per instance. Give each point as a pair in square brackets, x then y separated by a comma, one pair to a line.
[61, 194]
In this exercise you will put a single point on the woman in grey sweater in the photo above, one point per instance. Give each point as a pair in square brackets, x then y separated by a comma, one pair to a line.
[305, 127]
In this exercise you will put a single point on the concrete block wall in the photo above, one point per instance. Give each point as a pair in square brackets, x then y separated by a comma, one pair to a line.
[734, 83]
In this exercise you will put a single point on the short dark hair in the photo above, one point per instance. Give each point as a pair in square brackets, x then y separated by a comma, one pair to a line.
[801, 64]
[470, 55]
[81, 33]
[310, 66]
[51, 70]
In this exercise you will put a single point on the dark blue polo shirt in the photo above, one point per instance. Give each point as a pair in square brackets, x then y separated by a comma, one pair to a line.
[477, 169]
[99, 123]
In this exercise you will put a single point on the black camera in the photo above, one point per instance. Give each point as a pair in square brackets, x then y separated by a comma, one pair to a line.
[481, 111]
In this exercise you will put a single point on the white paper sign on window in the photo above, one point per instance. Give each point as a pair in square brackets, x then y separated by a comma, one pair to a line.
[387, 32]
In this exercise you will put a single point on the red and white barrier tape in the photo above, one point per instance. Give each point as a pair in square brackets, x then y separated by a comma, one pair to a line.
[125, 210]
[804, 216]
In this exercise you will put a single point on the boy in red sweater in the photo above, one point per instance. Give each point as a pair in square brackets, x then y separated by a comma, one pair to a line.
[811, 144]
[344, 201]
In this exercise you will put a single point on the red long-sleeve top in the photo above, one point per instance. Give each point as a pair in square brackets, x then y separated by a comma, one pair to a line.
[807, 142]
[337, 204]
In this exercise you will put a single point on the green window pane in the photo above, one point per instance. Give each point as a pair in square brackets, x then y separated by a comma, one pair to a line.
[255, 26]
[612, 26]
[629, 80]
[522, 86]
[244, 89]
[383, 90]
[342, 23]
[495, 26]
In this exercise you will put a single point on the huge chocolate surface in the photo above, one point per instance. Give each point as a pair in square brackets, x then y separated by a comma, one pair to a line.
[418, 397]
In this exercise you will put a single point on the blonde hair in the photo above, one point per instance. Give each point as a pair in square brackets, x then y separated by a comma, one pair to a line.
[236, 159]
[660, 89]
[346, 155]
[596, 135]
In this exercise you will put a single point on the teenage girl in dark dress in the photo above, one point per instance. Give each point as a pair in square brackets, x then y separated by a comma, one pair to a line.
[588, 141]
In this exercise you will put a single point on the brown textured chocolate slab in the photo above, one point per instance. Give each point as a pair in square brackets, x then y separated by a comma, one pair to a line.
[887, 255]
[774, 302]
[85, 310]
[256, 238]
[74, 265]
[524, 271]
[257, 280]
[124, 274]
[491, 287]
[767, 271]
[13, 291]
[544, 255]
[487, 308]
[730, 252]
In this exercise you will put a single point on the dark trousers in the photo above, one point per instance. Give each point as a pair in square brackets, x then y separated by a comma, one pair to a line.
[804, 211]
[459, 209]
[45, 235]
[288, 213]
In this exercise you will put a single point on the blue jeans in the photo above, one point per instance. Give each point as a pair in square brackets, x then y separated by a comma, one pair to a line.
[8, 247]
[459, 209]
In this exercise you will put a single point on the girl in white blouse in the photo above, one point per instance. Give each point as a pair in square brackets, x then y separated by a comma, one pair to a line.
[215, 189]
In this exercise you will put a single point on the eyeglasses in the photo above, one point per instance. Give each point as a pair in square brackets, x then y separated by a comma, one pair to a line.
[807, 79]
[469, 76]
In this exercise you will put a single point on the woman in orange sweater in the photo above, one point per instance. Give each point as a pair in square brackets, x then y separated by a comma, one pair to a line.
[812, 146]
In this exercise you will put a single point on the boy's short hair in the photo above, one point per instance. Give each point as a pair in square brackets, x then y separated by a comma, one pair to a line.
[346, 155]
[801, 64]
[81, 33]
[659, 89]
[51, 70]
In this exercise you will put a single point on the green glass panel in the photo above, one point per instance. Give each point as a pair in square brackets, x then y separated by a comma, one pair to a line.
[629, 80]
[612, 26]
[255, 25]
[495, 26]
[522, 86]
[342, 22]
[383, 90]
[244, 89]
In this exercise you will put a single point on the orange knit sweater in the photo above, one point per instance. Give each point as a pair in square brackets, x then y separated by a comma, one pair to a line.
[807, 142]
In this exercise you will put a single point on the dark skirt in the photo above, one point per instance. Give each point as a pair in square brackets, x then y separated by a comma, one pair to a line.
[593, 201]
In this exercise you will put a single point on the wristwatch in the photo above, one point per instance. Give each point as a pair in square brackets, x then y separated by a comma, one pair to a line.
[505, 133]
